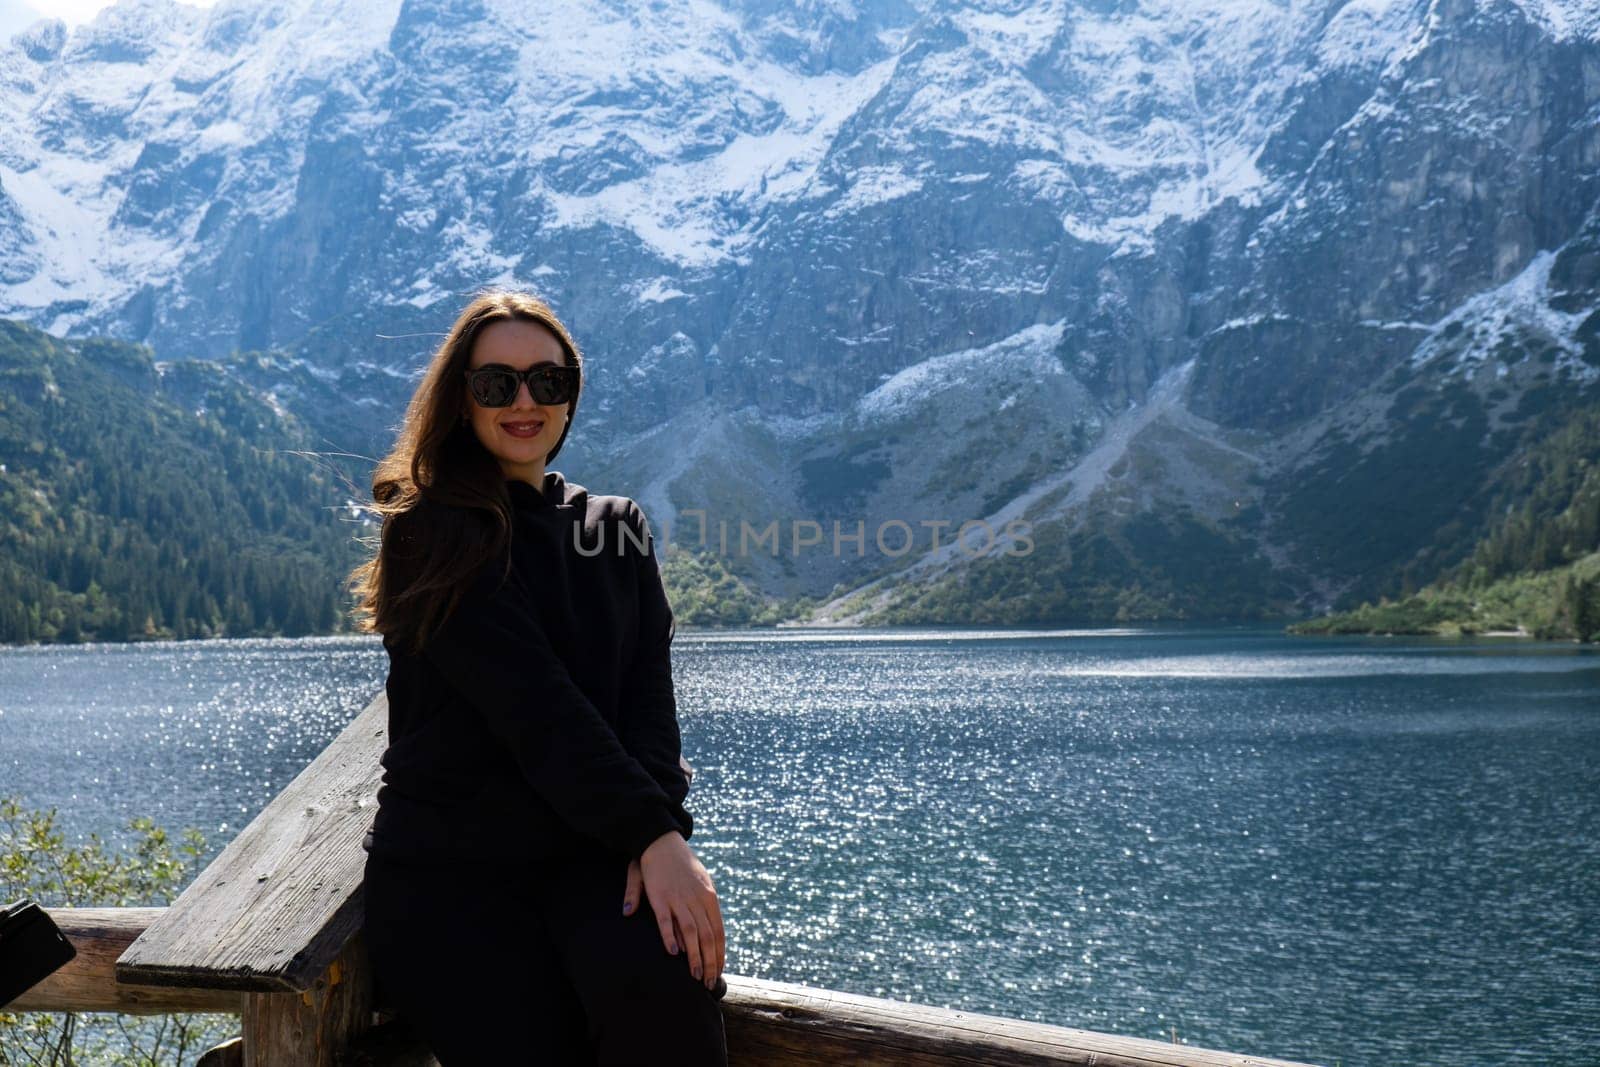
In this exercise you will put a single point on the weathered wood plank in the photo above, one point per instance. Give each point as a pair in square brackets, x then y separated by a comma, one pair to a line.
[777, 1024]
[773, 1024]
[283, 899]
[88, 982]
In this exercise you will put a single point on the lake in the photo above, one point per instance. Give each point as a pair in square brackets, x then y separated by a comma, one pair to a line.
[1340, 850]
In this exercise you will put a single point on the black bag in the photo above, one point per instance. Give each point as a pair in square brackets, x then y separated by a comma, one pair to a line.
[32, 948]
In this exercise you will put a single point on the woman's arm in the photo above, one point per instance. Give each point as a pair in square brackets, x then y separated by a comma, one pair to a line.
[677, 885]
[494, 651]
[649, 717]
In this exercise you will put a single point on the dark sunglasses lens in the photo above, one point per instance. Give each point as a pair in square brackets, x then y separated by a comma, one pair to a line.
[551, 385]
[494, 388]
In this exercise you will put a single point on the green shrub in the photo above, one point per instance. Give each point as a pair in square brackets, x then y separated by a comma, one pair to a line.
[37, 863]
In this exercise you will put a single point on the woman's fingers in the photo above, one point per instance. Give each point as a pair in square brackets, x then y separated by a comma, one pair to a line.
[664, 924]
[689, 938]
[710, 954]
[700, 931]
[685, 903]
[630, 895]
[719, 949]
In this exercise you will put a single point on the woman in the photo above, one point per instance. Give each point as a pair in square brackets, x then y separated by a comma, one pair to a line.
[533, 787]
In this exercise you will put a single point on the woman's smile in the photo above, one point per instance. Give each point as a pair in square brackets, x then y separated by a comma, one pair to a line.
[525, 428]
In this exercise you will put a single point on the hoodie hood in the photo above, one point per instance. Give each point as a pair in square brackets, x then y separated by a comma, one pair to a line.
[555, 492]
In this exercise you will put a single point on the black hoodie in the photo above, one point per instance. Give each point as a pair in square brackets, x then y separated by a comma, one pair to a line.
[541, 715]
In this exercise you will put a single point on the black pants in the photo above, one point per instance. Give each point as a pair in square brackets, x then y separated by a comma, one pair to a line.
[533, 963]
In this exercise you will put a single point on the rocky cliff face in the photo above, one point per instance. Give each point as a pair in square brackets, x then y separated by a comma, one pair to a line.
[1178, 284]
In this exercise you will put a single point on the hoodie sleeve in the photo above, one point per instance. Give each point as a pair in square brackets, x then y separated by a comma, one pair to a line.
[493, 650]
[649, 705]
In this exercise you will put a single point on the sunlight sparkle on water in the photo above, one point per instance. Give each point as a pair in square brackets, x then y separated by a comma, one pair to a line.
[1261, 843]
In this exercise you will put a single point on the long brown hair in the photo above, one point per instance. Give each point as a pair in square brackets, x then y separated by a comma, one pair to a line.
[443, 498]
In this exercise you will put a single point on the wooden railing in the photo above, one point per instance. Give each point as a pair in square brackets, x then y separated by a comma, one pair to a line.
[271, 930]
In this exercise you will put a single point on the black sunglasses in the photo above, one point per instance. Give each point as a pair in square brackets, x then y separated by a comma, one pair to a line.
[495, 386]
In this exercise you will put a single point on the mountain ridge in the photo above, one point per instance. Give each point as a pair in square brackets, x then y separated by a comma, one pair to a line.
[756, 218]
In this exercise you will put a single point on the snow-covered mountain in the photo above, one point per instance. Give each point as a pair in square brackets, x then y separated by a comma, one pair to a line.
[1094, 265]
[15, 16]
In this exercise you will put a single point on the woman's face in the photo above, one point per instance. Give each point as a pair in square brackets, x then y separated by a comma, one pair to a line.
[519, 436]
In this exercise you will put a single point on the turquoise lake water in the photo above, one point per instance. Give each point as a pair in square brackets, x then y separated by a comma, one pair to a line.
[1353, 851]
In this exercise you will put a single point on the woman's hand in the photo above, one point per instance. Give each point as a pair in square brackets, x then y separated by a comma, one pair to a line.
[681, 894]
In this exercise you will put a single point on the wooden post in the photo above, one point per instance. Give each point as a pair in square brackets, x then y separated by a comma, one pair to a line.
[310, 1028]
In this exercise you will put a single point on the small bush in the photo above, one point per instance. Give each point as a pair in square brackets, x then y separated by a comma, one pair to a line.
[37, 863]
